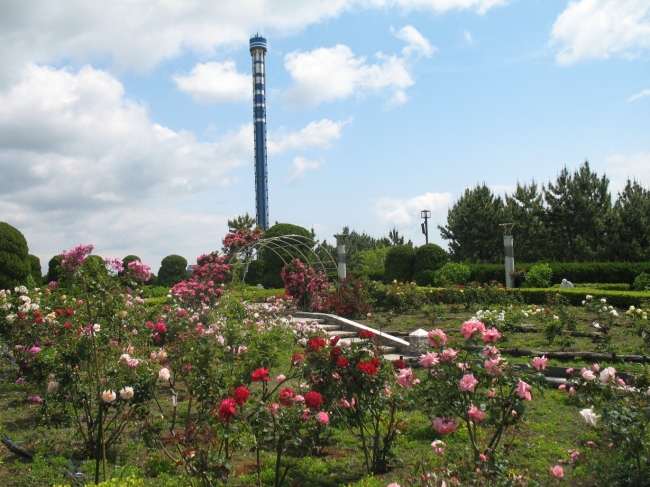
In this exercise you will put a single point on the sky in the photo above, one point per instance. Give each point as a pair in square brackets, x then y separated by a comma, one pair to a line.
[129, 124]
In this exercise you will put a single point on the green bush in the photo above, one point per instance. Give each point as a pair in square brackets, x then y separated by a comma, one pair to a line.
[14, 263]
[429, 258]
[35, 268]
[453, 273]
[372, 262]
[642, 282]
[254, 272]
[399, 264]
[54, 270]
[173, 269]
[539, 275]
[274, 260]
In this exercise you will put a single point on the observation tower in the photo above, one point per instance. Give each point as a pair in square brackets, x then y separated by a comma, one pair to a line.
[258, 53]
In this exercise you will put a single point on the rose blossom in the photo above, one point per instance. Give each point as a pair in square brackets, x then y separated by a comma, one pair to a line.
[607, 375]
[313, 399]
[523, 390]
[476, 414]
[539, 363]
[163, 374]
[287, 397]
[405, 378]
[490, 335]
[126, 393]
[241, 395]
[429, 359]
[468, 383]
[227, 409]
[557, 471]
[322, 418]
[280, 378]
[587, 374]
[437, 338]
[470, 327]
[108, 396]
[260, 374]
[445, 426]
[438, 447]
[52, 386]
[590, 417]
[448, 355]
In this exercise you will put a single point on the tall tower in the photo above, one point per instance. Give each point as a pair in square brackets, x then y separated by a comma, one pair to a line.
[258, 53]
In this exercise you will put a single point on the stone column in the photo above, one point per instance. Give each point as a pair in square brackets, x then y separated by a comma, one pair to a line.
[418, 342]
[340, 250]
[510, 259]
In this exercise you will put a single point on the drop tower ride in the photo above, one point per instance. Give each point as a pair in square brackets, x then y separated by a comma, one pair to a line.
[258, 53]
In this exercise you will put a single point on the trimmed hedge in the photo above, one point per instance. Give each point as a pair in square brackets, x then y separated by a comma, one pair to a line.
[576, 272]
[429, 258]
[399, 264]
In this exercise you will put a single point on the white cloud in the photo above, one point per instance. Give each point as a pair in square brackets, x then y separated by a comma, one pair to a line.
[215, 82]
[638, 95]
[299, 166]
[468, 37]
[622, 167]
[138, 34]
[395, 211]
[599, 29]
[418, 45]
[500, 189]
[315, 134]
[329, 74]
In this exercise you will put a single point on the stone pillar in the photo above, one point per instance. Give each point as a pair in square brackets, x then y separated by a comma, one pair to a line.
[418, 342]
[510, 259]
[340, 250]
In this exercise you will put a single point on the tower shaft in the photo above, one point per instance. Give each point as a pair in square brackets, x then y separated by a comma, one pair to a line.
[258, 54]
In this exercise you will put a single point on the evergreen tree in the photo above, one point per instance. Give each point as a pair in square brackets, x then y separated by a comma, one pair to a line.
[578, 206]
[35, 268]
[629, 225]
[525, 208]
[242, 221]
[173, 269]
[14, 263]
[473, 226]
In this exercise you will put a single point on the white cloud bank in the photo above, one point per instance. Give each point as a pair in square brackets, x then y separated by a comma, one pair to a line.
[299, 166]
[600, 29]
[394, 211]
[640, 94]
[621, 167]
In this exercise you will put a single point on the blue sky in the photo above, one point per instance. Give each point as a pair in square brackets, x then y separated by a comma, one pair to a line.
[128, 125]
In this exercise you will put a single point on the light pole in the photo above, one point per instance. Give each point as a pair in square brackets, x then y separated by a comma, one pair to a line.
[426, 214]
[510, 252]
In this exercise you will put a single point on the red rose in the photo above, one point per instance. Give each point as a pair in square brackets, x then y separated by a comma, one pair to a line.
[69, 312]
[342, 362]
[313, 400]
[366, 334]
[296, 359]
[399, 364]
[67, 325]
[161, 327]
[227, 409]
[315, 344]
[375, 362]
[241, 395]
[336, 352]
[58, 311]
[260, 374]
[37, 313]
[334, 341]
[286, 397]
[367, 367]
[38, 321]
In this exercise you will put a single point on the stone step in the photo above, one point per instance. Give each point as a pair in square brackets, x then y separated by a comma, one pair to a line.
[329, 327]
[342, 334]
[319, 321]
[392, 357]
[387, 350]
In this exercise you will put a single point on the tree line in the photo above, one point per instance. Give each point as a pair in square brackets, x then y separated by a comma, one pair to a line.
[570, 220]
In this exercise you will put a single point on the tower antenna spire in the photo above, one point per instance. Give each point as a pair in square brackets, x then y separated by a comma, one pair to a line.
[258, 54]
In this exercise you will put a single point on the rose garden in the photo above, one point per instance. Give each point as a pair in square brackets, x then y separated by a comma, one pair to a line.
[218, 382]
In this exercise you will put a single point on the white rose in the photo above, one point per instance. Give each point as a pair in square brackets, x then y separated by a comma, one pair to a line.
[109, 396]
[590, 417]
[607, 375]
[163, 374]
[126, 393]
[52, 386]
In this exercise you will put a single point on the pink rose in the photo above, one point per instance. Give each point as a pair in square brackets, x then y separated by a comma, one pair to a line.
[476, 414]
[468, 383]
[539, 363]
[322, 417]
[596, 367]
[429, 359]
[490, 335]
[405, 378]
[448, 355]
[471, 327]
[445, 426]
[523, 390]
[588, 374]
[437, 338]
[438, 447]
[557, 472]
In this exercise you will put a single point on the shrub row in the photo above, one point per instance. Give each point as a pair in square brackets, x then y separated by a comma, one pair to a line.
[577, 272]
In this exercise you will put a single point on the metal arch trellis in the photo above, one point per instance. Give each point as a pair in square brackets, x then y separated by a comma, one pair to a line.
[293, 246]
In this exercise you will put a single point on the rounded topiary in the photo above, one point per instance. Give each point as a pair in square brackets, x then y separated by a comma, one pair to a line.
[55, 272]
[274, 260]
[539, 275]
[642, 282]
[173, 269]
[254, 272]
[399, 264]
[35, 269]
[14, 263]
[453, 273]
[429, 257]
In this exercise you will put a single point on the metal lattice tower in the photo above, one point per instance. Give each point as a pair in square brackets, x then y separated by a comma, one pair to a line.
[258, 53]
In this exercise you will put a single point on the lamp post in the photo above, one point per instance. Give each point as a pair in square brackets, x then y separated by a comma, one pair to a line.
[509, 251]
[426, 214]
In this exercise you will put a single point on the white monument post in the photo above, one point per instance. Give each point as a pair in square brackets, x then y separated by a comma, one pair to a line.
[510, 252]
[340, 250]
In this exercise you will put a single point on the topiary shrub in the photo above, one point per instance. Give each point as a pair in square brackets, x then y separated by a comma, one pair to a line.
[399, 264]
[14, 263]
[453, 273]
[539, 275]
[429, 257]
[274, 260]
[55, 272]
[35, 268]
[642, 282]
[173, 269]
[254, 272]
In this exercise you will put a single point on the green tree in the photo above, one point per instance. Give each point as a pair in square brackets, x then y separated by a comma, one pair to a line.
[372, 261]
[246, 222]
[578, 207]
[472, 227]
[14, 263]
[35, 268]
[399, 264]
[55, 272]
[525, 207]
[629, 225]
[173, 269]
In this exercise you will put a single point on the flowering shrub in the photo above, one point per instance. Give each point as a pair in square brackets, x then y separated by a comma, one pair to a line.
[236, 241]
[206, 283]
[607, 317]
[303, 284]
[479, 390]
[349, 297]
[359, 387]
